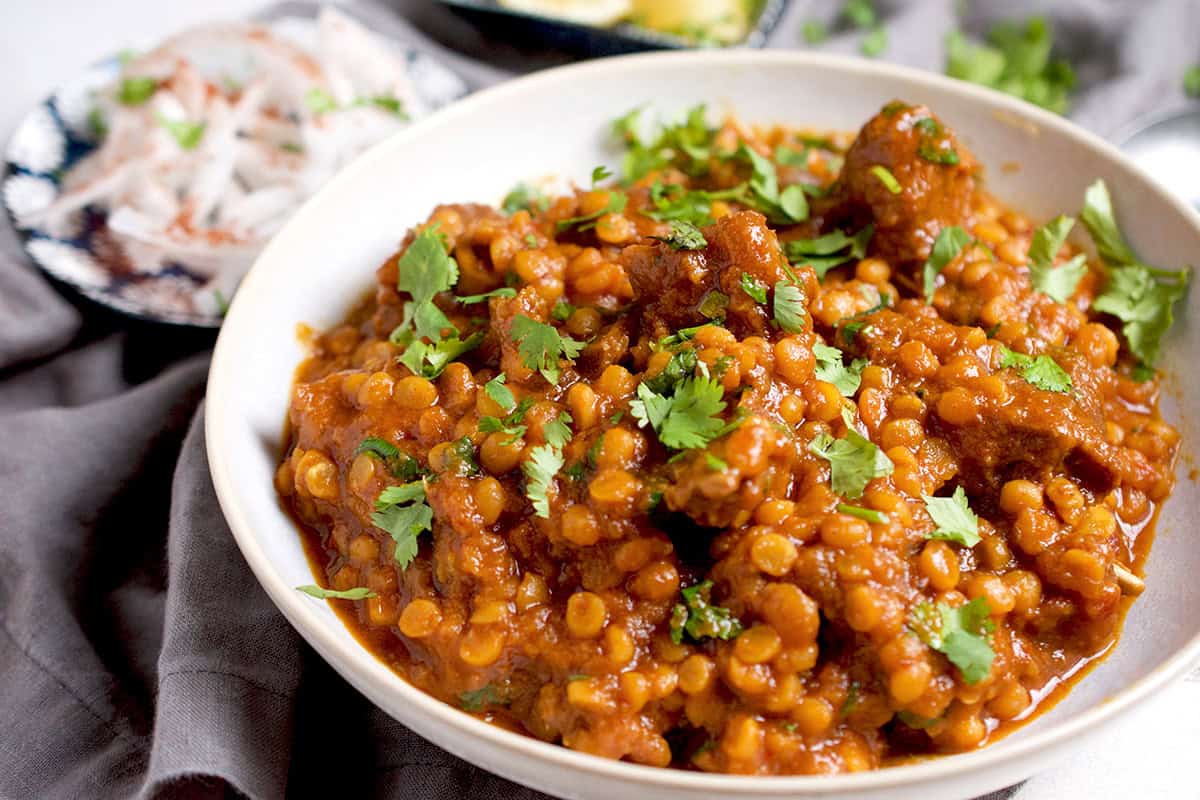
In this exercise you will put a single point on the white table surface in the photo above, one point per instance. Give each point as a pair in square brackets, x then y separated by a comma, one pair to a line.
[1151, 756]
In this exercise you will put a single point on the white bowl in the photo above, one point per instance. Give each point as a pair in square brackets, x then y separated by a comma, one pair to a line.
[557, 122]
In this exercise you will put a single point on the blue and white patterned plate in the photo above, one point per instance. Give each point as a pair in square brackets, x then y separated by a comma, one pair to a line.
[55, 135]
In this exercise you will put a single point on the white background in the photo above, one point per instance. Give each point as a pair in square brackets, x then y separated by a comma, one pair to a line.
[1155, 754]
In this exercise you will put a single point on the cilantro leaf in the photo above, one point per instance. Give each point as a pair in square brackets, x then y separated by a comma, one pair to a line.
[860, 13]
[524, 197]
[562, 311]
[404, 523]
[686, 145]
[699, 619]
[136, 91]
[650, 408]
[764, 195]
[682, 364]
[868, 514]
[961, 634]
[425, 269]
[503, 291]
[321, 593]
[692, 419]
[398, 495]
[684, 236]
[558, 430]
[428, 360]
[401, 465]
[789, 306]
[754, 287]
[511, 423]
[949, 243]
[503, 396]
[600, 173]
[853, 462]
[814, 31]
[616, 204]
[1017, 60]
[543, 464]
[1191, 81]
[955, 520]
[713, 305]
[886, 177]
[479, 699]
[829, 251]
[541, 346]
[874, 43]
[831, 369]
[1042, 372]
[1057, 283]
[1142, 297]
[187, 134]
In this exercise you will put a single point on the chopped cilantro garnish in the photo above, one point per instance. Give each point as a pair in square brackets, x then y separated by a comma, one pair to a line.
[831, 369]
[851, 701]
[684, 236]
[853, 462]
[558, 430]
[1191, 81]
[713, 305]
[503, 291]
[886, 177]
[616, 204]
[680, 336]
[524, 196]
[428, 360]
[401, 465]
[543, 464]
[384, 102]
[875, 42]
[503, 396]
[789, 306]
[403, 513]
[1042, 372]
[955, 520]
[868, 514]
[1057, 283]
[1141, 296]
[814, 31]
[756, 289]
[828, 251]
[321, 593]
[425, 269]
[509, 424]
[949, 243]
[681, 365]
[781, 207]
[187, 134]
[541, 346]
[648, 146]
[934, 145]
[137, 90]
[562, 311]
[687, 418]
[480, 699]
[860, 13]
[714, 463]
[600, 173]
[1017, 60]
[960, 633]
[696, 617]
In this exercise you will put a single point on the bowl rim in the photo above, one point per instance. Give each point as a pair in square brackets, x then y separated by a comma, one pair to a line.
[348, 656]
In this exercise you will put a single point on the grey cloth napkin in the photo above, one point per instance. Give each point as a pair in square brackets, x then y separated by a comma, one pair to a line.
[138, 656]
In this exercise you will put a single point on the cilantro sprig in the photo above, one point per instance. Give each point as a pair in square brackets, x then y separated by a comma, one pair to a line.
[540, 470]
[953, 518]
[1042, 371]
[1139, 295]
[949, 243]
[688, 417]
[684, 236]
[541, 346]
[402, 512]
[650, 146]
[854, 460]
[700, 619]
[1057, 283]
[960, 633]
[321, 593]
[831, 369]
[829, 251]
[1015, 60]
[399, 463]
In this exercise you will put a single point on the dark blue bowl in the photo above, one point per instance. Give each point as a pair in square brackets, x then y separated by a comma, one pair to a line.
[551, 33]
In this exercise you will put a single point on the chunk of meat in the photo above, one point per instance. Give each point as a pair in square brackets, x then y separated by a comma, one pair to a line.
[756, 461]
[673, 285]
[917, 149]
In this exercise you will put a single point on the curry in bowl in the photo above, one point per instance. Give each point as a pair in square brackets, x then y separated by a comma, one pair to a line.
[774, 453]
